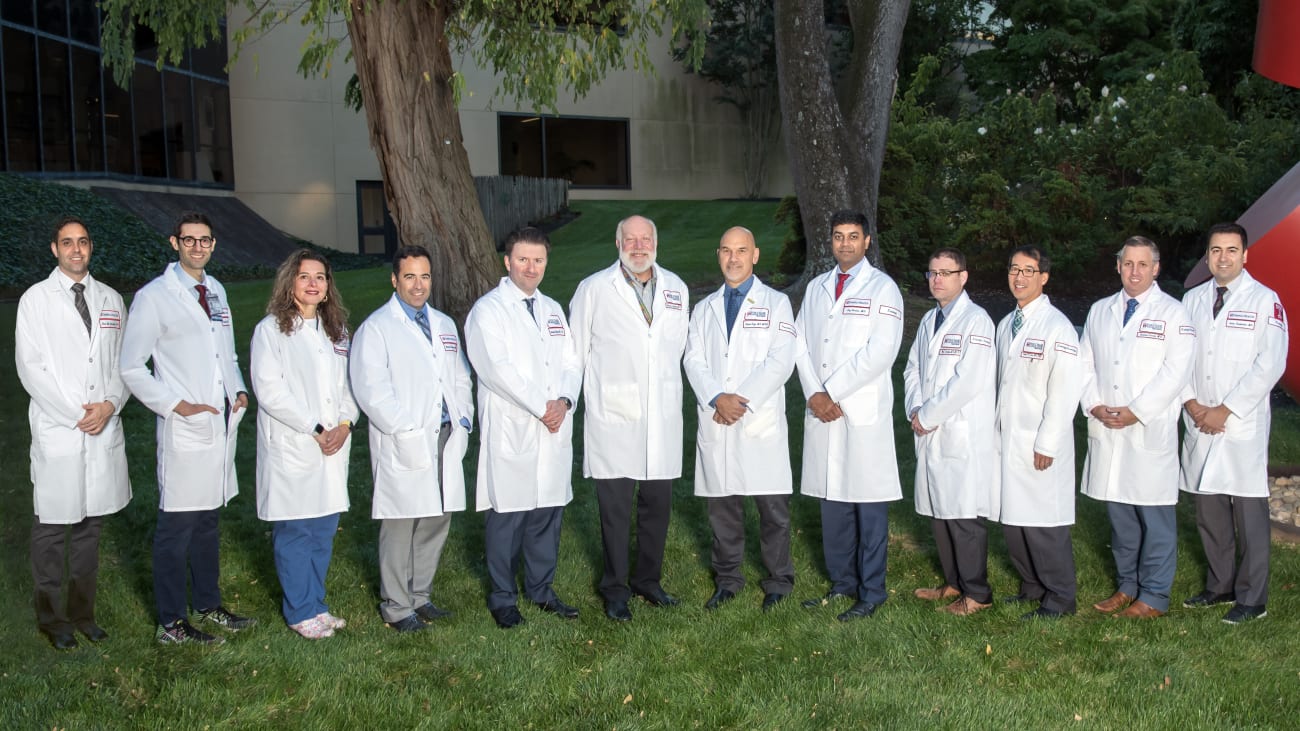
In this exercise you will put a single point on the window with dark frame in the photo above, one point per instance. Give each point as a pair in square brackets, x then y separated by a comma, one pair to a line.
[589, 152]
[376, 232]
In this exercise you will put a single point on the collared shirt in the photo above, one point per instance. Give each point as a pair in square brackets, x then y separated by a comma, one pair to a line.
[645, 291]
[410, 311]
[69, 281]
[187, 280]
[853, 271]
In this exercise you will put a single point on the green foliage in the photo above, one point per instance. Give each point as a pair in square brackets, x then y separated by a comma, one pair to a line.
[737, 49]
[794, 249]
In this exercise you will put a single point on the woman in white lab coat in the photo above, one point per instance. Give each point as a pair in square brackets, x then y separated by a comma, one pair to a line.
[304, 419]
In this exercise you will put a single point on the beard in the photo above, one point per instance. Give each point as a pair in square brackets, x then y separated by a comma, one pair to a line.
[626, 259]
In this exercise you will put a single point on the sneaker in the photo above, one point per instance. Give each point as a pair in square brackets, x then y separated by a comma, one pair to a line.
[1207, 599]
[329, 620]
[224, 619]
[1244, 613]
[181, 632]
[313, 629]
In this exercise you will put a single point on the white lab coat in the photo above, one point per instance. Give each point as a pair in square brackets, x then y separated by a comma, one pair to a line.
[521, 365]
[1240, 355]
[401, 379]
[74, 475]
[194, 360]
[632, 424]
[751, 457]
[1040, 379]
[1143, 366]
[301, 380]
[847, 349]
[950, 381]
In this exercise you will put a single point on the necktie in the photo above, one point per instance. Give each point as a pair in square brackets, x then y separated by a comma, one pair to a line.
[1218, 302]
[203, 300]
[423, 321]
[1017, 322]
[79, 299]
[733, 308]
[1129, 309]
[841, 278]
[938, 320]
[529, 301]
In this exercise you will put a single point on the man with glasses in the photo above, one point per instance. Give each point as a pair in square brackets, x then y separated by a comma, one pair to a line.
[629, 326]
[1240, 353]
[949, 382]
[181, 320]
[1039, 382]
[849, 330]
[1137, 350]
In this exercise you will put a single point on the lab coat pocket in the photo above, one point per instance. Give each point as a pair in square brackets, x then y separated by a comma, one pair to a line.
[411, 451]
[954, 441]
[760, 424]
[1160, 435]
[860, 408]
[191, 433]
[56, 440]
[299, 454]
[1241, 429]
[621, 403]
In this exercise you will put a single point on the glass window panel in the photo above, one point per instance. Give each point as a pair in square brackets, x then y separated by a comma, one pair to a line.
[84, 20]
[17, 11]
[373, 244]
[372, 205]
[118, 135]
[587, 152]
[215, 158]
[56, 119]
[52, 16]
[180, 126]
[87, 110]
[520, 145]
[210, 60]
[22, 123]
[151, 147]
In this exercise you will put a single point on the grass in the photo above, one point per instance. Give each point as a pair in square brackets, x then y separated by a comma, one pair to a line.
[674, 668]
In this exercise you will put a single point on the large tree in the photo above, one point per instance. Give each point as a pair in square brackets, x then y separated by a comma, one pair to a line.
[835, 133]
[409, 87]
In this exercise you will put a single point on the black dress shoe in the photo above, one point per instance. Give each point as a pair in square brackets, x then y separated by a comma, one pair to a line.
[618, 611]
[1041, 613]
[409, 623]
[93, 632]
[719, 597]
[821, 601]
[771, 599]
[558, 608]
[858, 610]
[508, 617]
[61, 640]
[1208, 599]
[658, 598]
[428, 612]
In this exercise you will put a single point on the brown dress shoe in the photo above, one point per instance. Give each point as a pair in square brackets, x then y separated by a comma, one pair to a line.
[1141, 610]
[1116, 602]
[964, 607]
[937, 593]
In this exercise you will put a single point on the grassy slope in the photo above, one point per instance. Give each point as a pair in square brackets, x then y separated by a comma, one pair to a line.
[677, 668]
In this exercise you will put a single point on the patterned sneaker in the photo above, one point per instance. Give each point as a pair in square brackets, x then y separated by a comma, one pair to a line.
[224, 619]
[313, 629]
[329, 620]
[181, 632]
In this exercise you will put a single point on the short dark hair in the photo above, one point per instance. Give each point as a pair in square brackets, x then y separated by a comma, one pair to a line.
[67, 221]
[951, 253]
[1033, 252]
[846, 217]
[1227, 228]
[193, 217]
[527, 235]
[410, 251]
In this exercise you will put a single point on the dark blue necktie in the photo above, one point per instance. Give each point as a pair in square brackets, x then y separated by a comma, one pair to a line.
[1129, 309]
[733, 308]
[938, 320]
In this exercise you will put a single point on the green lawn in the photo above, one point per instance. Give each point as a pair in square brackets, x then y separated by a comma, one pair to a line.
[671, 668]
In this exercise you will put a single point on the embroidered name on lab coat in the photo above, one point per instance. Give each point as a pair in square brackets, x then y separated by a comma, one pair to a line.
[857, 306]
[1154, 329]
[1067, 349]
[341, 348]
[786, 327]
[555, 326]
[1187, 330]
[889, 311]
[1034, 349]
[110, 319]
[756, 318]
[980, 340]
[951, 344]
[1241, 319]
[449, 342]
[672, 299]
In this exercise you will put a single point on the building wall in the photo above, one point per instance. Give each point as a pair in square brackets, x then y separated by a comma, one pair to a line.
[299, 151]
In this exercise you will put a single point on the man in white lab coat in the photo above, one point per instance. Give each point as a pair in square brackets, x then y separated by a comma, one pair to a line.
[181, 320]
[1240, 353]
[950, 384]
[1039, 383]
[410, 377]
[739, 355]
[850, 327]
[529, 375]
[629, 325]
[1137, 351]
[68, 335]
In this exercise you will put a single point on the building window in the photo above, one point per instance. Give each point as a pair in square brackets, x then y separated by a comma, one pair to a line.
[588, 152]
[376, 232]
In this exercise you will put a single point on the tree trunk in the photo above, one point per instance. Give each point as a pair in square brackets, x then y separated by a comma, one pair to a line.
[404, 68]
[836, 149]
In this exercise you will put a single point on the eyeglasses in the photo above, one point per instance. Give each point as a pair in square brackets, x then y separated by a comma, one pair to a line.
[1015, 271]
[203, 242]
[942, 273]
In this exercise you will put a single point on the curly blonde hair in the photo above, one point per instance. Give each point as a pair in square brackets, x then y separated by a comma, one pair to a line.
[332, 314]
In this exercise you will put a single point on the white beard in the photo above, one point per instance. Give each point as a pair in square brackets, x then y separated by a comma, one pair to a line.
[636, 269]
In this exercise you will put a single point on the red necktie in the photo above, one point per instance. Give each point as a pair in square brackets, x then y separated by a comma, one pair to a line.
[839, 284]
[203, 299]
